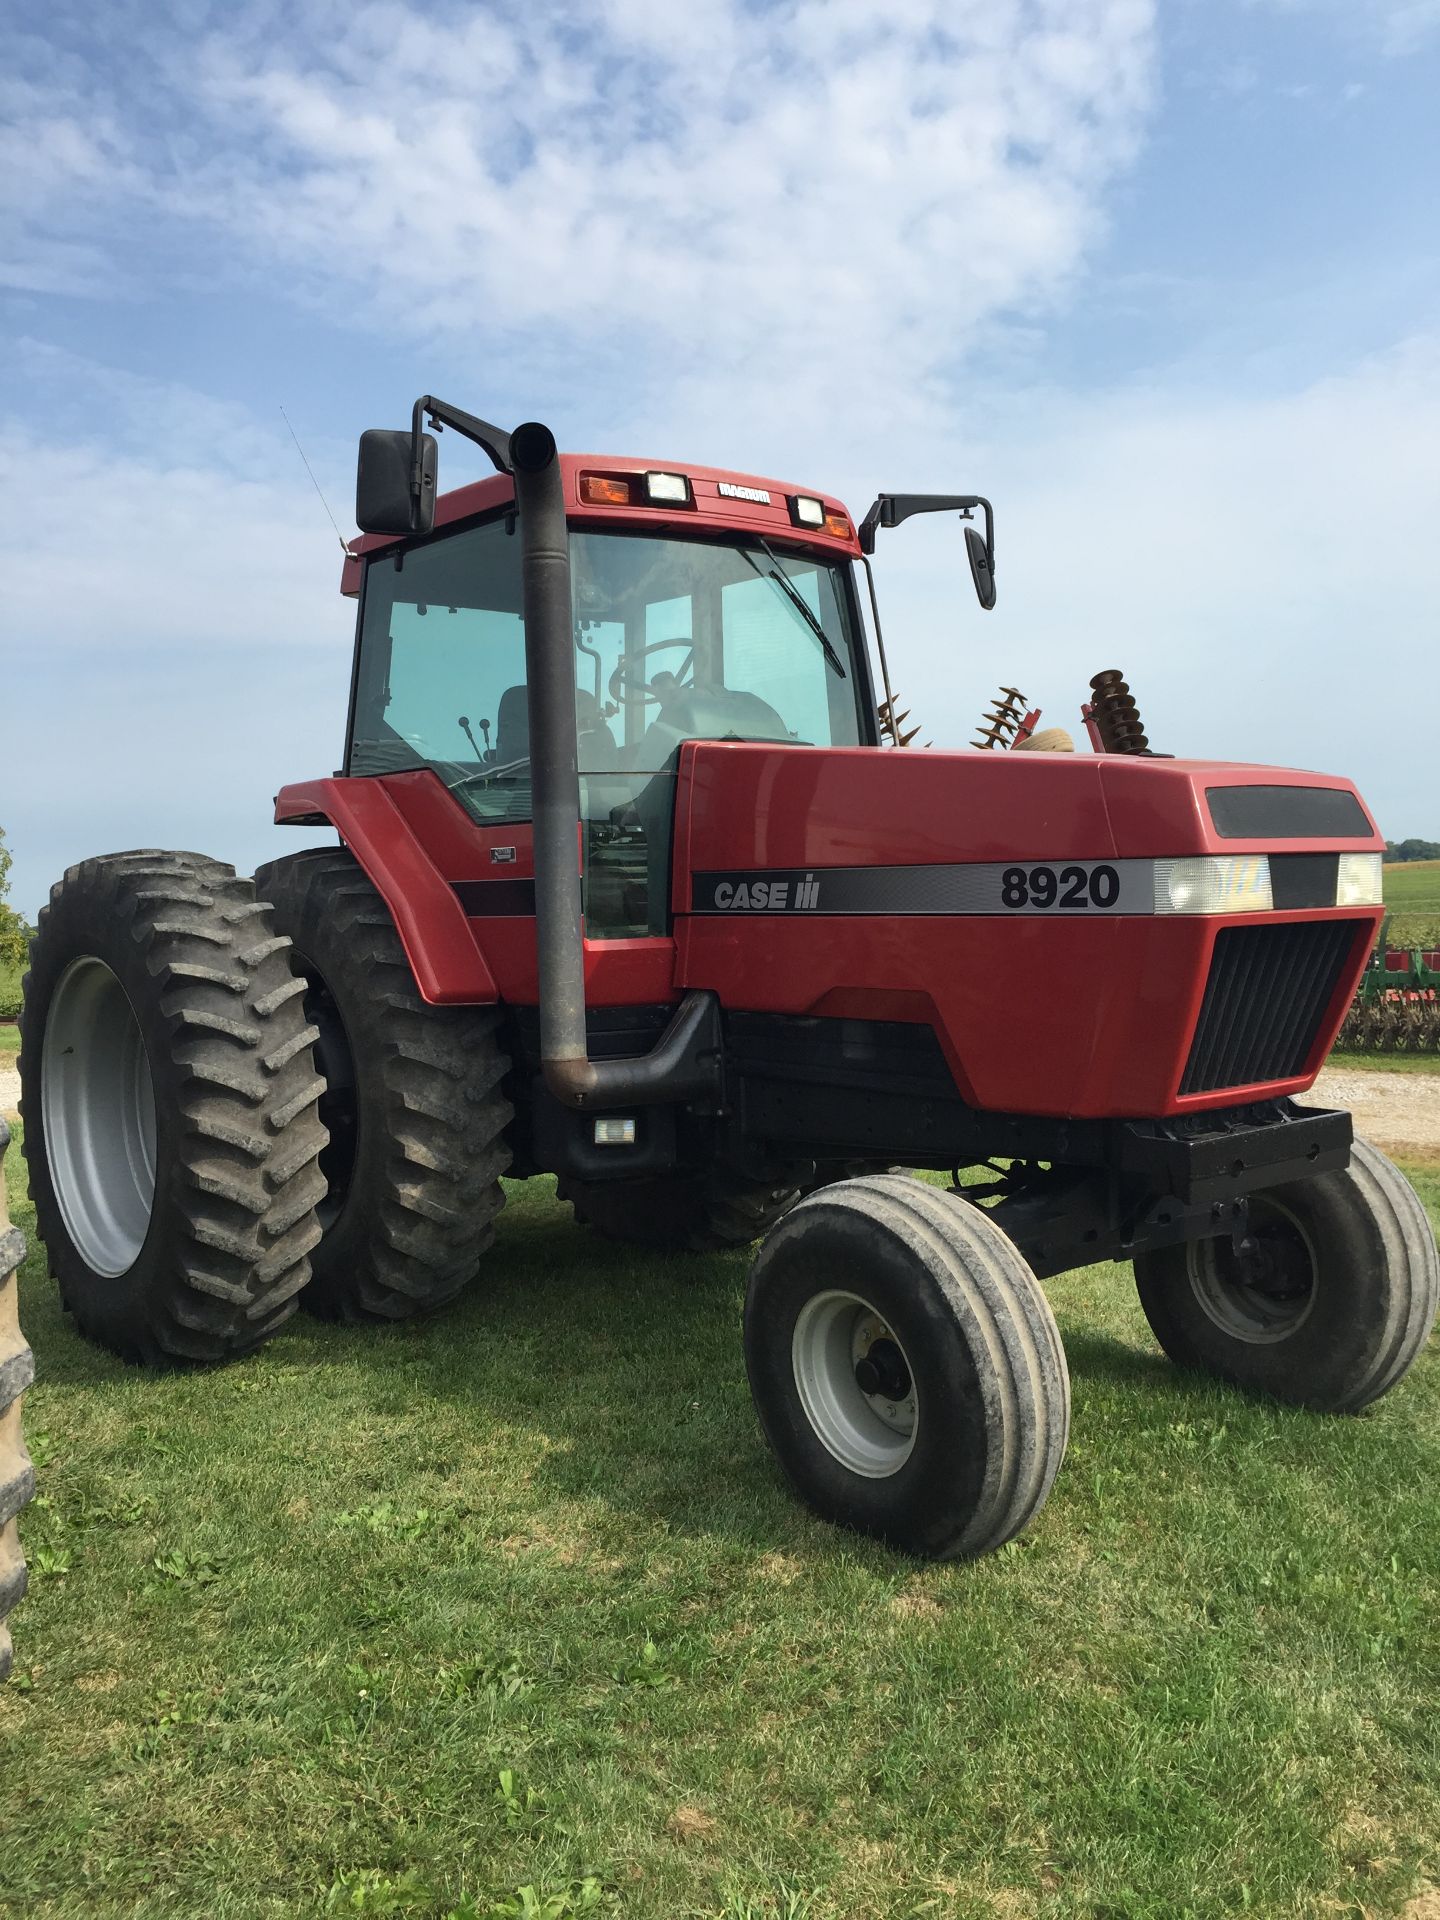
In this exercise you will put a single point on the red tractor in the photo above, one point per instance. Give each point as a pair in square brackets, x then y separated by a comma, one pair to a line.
[630, 889]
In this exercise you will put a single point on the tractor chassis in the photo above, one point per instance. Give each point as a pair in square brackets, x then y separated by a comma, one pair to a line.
[783, 1092]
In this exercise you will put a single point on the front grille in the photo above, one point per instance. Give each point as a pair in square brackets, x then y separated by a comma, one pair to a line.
[1264, 1001]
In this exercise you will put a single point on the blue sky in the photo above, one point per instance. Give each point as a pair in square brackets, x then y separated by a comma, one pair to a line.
[1162, 281]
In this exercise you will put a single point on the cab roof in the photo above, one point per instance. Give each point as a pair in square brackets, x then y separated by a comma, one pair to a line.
[720, 502]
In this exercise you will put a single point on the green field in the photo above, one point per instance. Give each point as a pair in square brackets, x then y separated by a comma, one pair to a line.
[1412, 894]
[516, 1599]
[1413, 885]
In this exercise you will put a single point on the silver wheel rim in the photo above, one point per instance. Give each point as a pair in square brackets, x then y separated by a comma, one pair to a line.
[870, 1434]
[1245, 1312]
[98, 1107]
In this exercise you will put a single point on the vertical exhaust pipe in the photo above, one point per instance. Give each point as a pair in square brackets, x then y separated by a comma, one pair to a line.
[554, 767]
[685, 1062]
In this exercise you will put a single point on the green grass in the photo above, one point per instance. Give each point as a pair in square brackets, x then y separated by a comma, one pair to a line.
[10, 977]
[1386, 1062]
[290, 1624]
[9, 1038]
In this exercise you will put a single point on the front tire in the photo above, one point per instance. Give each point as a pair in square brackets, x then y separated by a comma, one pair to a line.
[1328, 1307]
[414, 1102]
[906, 1367]
[169, 1096]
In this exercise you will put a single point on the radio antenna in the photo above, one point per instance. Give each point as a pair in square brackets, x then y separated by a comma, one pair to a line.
[344, 544]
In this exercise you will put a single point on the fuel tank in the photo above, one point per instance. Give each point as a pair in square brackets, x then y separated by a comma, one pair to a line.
[1090, 935]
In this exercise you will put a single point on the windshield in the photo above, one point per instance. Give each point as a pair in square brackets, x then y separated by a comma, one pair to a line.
[674, 640]
[688, 639]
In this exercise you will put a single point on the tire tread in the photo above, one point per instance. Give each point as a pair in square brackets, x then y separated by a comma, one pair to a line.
[240, 1079]
[968, 1273]
[441, 1107]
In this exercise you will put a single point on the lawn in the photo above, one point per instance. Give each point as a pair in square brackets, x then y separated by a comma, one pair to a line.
[516, 1599]
[1386, 1062]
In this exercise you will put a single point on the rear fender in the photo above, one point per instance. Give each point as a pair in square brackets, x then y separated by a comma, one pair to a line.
[449, 968]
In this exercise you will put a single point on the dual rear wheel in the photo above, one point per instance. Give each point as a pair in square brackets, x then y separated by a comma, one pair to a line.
[414, 1102]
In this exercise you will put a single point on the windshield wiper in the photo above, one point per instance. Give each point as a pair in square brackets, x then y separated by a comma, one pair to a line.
[797, 600]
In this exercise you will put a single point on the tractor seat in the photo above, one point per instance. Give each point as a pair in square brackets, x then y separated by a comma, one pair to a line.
[512, 726]
[597, 747]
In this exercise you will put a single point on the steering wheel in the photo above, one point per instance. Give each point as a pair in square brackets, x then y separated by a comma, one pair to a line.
[625, 680]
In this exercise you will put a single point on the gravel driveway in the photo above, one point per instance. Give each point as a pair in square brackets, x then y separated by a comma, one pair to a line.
[1398, 1111]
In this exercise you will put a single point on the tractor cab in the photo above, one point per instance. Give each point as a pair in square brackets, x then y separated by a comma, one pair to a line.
[702, 608]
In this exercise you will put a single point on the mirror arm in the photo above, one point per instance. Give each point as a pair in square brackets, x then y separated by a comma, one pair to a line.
[891, 508]
[494, 440]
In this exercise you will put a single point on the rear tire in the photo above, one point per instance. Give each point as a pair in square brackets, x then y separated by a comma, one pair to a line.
[17, 1370]
[1331, 1310]
[414, 1102]
[707, 1212]
[169, 1095]
[883, 1284]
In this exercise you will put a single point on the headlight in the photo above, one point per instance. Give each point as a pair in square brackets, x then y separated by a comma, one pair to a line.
[667, 487]
[1360, 880]
[1214, 883]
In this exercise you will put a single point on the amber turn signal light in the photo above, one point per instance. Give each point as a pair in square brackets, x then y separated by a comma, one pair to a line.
[604, 490]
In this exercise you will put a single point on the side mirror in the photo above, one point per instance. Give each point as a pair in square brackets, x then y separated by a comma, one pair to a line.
[982, 567]
[384, 502]
[891, 508]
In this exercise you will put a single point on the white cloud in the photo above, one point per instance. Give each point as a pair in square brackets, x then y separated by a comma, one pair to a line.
[801, 193]
[62, 163]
